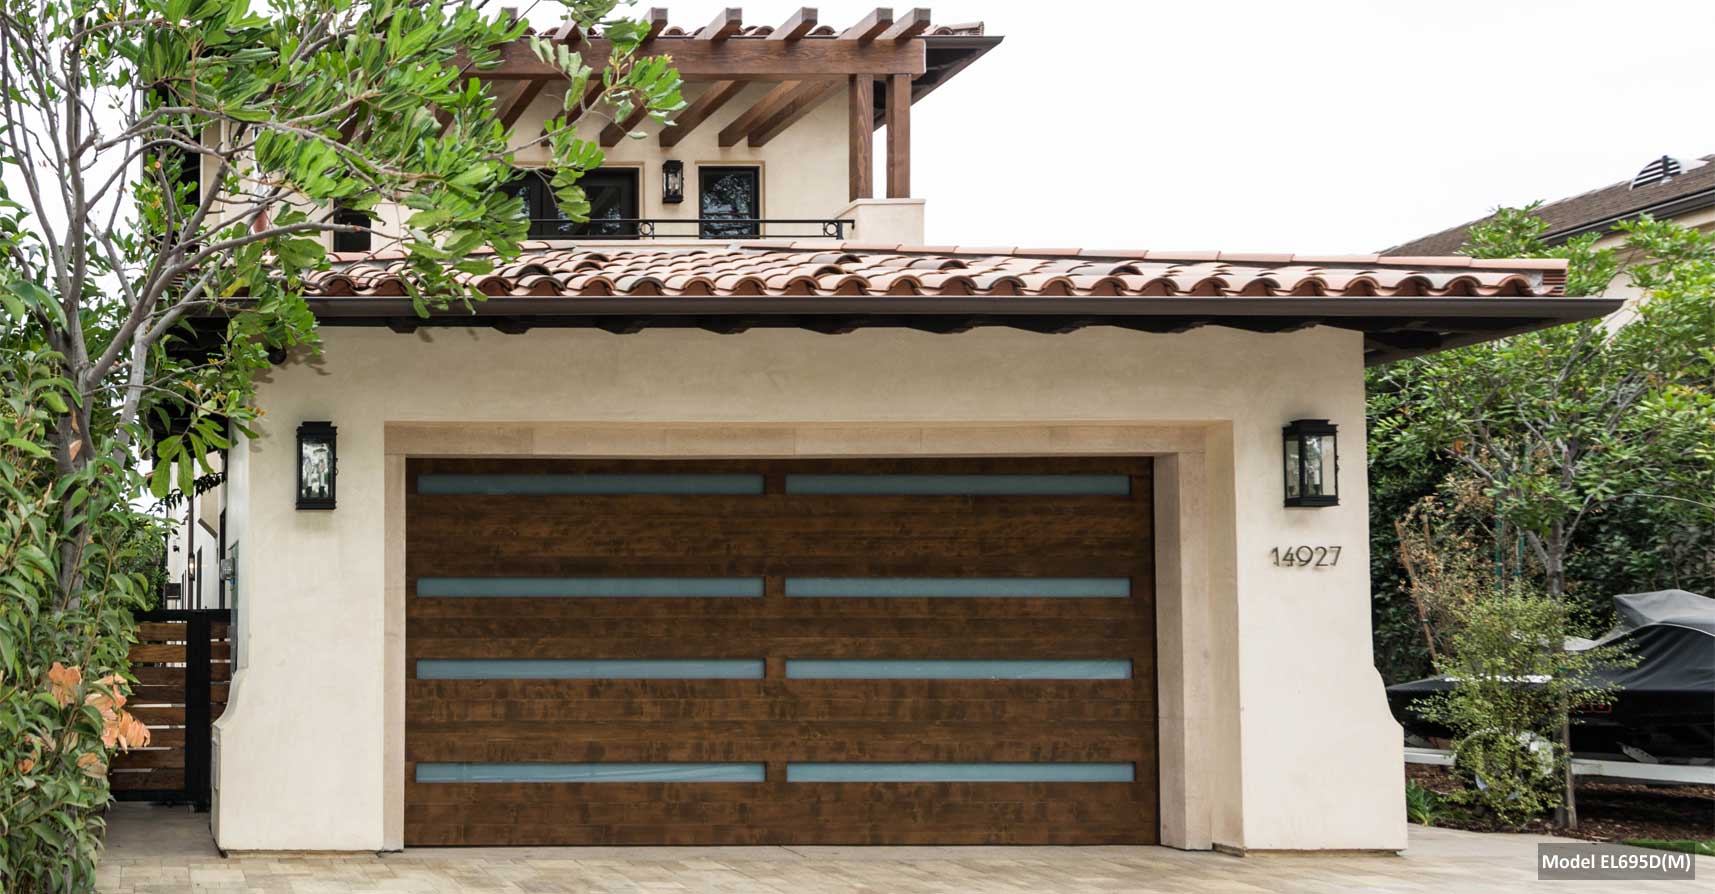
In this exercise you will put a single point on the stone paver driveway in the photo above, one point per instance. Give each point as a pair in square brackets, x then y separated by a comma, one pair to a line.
[157, 850]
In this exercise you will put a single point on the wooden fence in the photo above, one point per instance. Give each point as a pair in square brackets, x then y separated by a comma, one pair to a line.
[183, 664]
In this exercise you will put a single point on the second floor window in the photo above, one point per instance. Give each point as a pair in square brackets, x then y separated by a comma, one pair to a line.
[351, 241]
[612, 194]
[734, 194]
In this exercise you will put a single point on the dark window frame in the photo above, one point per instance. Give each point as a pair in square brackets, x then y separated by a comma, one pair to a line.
[543, 208]
[729, 231]
[352, 242]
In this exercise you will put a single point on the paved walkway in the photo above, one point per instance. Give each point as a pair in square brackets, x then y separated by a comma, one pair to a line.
[157, 850]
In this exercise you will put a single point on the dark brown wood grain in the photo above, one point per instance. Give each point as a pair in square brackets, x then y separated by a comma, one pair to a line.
[157, 699]
[777, 720]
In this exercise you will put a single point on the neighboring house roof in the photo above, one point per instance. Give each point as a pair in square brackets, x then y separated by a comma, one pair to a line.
[1594, 211]
[1405, 306]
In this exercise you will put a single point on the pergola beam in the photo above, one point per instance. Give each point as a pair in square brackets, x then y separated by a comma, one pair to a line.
[737, 60]
[729, 22]
[860, 135]
[699, 111]
[801, 102]
[521, 100]
[870, 27]
[568, 34]
[801, 23]
[592, 92]
[657, 19]
[899, 136]
[616, 130]
[741, 127]
[905, 27]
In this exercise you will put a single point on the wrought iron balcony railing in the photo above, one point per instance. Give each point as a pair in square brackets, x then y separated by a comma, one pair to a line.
[692, 228]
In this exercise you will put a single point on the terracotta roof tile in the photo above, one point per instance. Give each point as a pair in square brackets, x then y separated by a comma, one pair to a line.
[854, 269]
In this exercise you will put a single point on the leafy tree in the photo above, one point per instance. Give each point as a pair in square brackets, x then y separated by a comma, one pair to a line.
[174, 161]
[1566, 426]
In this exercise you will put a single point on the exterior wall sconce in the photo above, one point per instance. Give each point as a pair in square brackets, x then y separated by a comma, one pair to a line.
[1312, 463]
[672, 182]
[318, 464]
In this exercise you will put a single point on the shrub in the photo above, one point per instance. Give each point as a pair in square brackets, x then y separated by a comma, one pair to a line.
[65, 627]
[1514, 688]
[1422, 806]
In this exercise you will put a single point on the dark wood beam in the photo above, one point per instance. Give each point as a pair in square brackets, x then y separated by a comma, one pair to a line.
[568, 34]
[736, 60]
[521, 100]
[592, 92]
[860, 135]
[899, 136]
[907, 26]
[725, 25]
[657, 19]
[616, 130]
[802, 102]
[741, 127]
[801, 23]
[870, 27]
[699, 111]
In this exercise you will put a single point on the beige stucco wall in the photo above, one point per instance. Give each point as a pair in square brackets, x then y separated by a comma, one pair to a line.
[1622, 287]
[802, 171]
[1290, 744]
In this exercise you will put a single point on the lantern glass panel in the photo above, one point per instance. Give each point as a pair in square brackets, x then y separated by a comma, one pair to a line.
[1319, 475]
[315, 470]
[1294, 464]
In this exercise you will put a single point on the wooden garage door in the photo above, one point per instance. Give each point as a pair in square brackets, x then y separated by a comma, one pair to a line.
[785, 652]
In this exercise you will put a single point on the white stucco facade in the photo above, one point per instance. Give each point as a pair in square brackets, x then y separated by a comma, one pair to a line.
[1275, 732]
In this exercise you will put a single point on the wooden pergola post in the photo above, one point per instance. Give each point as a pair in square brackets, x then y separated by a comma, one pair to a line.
[899, 136]
[860, 106]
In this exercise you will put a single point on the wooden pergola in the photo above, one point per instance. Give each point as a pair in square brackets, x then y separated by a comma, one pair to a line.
[884, 61]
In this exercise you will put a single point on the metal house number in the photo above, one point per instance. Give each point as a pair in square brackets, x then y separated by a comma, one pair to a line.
[1305, 556]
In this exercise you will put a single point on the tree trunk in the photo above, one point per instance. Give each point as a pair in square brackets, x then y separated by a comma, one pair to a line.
[1554, 559]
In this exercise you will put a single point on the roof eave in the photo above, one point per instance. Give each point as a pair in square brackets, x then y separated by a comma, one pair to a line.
[1394, 327]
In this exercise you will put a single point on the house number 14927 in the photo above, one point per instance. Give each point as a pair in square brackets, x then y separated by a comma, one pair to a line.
[1305, 556]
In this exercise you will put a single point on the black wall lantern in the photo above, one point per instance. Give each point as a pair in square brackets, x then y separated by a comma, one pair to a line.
[672, 182]
[318, 464]
[1312, 463]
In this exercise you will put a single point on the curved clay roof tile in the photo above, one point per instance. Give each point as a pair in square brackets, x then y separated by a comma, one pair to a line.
[589, 284]
[949, 283]
[1454, 286]
[1208, 286]
[1156, 285]
[842, 284]
[998, 283]
[538, 285]
[638, 284]
[1259, 286]
[387, 287]
[335, 284]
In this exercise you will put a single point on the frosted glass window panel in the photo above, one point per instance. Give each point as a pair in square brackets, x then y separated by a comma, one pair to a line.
[940, 772]
[961, 485]
[614, 669]
[576, 587]
[961, 587]
[617, 772]
[590, 485]
[888, 669]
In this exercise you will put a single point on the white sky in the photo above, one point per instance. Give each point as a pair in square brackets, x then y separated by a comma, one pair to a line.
[1300, 125]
